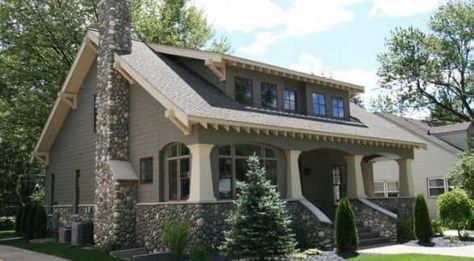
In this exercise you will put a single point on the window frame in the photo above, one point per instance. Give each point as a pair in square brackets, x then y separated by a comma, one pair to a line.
[142, 180]
[445, 186]
[76, 195]
[319, 105]
[232, 156]
[386, 192]
[275, 89]
[178, 158]
[96, 110]
[250, 81]
[285, 100]
[336, 108]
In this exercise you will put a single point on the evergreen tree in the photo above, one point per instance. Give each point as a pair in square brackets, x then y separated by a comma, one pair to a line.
[30, 220]
[39, 224]
[18, 220]
[423, 229]
[345, 227]
[260, 226]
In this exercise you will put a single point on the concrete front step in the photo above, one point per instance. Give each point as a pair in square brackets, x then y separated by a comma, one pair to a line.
[370, 234]
[373, 241]
[364, 229]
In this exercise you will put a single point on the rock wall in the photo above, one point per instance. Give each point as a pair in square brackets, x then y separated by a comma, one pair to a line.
[402, 206]
[378, 221]
[65, 217]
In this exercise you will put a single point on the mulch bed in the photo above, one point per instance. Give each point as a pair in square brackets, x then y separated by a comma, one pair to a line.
[442, 242]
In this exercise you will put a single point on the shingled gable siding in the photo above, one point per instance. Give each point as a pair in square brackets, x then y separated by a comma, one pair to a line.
[149, 133]
[74, 149]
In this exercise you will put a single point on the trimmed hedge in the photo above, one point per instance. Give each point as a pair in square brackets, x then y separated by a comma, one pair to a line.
[39, 224]
[423, 228]
[19, 219]
[30, 220]
[346, 232]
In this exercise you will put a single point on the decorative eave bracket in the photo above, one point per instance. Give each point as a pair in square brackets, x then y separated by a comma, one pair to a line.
[69, 98]
[218, 68]
[185, 128]
[42, 157]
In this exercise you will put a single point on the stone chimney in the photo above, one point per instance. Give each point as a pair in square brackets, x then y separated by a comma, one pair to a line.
[114, 199]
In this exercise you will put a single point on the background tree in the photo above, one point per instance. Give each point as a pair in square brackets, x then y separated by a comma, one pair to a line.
[455, 210]
[433, 70]
[462, 172]
[38, 42]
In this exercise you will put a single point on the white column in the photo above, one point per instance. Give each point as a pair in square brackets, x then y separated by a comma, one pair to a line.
[355, 181]
[405, 178]
[201, 189]
[293, 185]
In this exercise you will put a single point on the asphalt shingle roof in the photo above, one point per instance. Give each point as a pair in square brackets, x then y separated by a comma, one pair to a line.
[197, 97]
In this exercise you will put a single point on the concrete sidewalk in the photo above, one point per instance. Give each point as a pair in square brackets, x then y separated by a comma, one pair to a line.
[8, 253]
[463, 251]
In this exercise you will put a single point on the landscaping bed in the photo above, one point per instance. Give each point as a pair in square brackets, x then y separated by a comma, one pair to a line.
[443, 242]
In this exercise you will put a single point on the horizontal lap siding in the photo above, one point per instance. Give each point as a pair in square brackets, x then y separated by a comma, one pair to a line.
[74, 148]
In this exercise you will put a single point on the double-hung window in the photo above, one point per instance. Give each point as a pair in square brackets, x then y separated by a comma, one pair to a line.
[386, 189]
[437, 186]
[289, 100]
[244, 91]
[319, 104]
[338, 107]
[269, 95]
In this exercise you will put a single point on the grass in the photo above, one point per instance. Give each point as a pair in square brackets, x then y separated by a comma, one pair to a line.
[409, 257]
[7, 234]
[65, 251]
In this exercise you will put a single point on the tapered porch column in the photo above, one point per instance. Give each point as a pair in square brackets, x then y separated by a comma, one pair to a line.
[201, 189]
[355, 181]
[293, 190]
[368, 175]
[405, 178]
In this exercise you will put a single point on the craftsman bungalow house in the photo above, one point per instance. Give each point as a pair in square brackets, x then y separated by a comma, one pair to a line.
[143, 133]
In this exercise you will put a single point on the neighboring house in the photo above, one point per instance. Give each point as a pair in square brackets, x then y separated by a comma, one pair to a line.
[142, 134]
[431, 165]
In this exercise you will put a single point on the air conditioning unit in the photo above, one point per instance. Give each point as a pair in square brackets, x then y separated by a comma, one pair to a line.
[82, 233]
[64, 235]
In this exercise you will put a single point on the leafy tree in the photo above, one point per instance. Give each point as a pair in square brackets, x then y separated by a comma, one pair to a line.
[422, 224]
[462, 172]
[345, 228]
[383, 104]
[433, 70]
[455, 209]
[260, 226]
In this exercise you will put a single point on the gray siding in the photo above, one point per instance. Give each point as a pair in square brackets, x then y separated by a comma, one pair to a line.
[149, 133]
[74, 148]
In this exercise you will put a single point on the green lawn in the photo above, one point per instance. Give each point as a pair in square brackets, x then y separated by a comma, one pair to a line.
[66, 251]
[409, 257]
[7, 234]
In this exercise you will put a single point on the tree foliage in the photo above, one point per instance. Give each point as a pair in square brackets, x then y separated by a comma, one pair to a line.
[38, 42]
[462, 172]
[345, 228]
[455, 209]
[422, 221]
[260, 226]
[433, 70]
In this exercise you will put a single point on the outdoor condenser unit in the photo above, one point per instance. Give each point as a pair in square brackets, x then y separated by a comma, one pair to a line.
[81, 233]
[64, 235]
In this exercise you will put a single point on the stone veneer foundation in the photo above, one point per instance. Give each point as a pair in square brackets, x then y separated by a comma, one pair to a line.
[402, 206]
[378, 221]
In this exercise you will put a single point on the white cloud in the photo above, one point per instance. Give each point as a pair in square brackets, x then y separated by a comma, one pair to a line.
[241, 15]
[397, 8]
[308, 63]
[261, 43]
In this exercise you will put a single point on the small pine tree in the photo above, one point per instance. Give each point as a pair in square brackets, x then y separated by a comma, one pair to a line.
[18, 220]
[260, 226]
[345, 227]
[39, 224]
[24, 218]
[30, 220]
[422, 224]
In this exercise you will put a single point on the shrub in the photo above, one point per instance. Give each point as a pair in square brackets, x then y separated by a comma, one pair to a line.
[18, 219]
[422, 224]
[455, 210]
[345, 227]
[260, 226]
[301, 235]
[39, 225]
[110, 246]
[176, 238]
[405, 230]
[30, 219]
[437, 227]
[6, 223]
[24, 218]
[198, 253]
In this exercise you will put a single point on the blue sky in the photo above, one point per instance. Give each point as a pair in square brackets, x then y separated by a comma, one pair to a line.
[334, 38]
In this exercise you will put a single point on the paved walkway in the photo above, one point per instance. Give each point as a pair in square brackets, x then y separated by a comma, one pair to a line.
[464, 251]
[8, 253]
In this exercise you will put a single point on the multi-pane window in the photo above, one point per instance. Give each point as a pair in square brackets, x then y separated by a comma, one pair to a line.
[178, 170]
[319, 104]
[96, 109]
[76, 191]
[384, 188]
[338, 182]
[244, 91]
[437, 186]
[269, 95]
[146, 170]
[233, 166]
[289, 100]
[338, 107]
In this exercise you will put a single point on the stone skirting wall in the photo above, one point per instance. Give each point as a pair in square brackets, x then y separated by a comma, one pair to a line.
[378, 221]
[402, 206]
[65, 217]
[208, 222]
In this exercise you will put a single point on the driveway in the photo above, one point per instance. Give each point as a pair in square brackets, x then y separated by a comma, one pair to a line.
[8, 253]
[463, 251]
